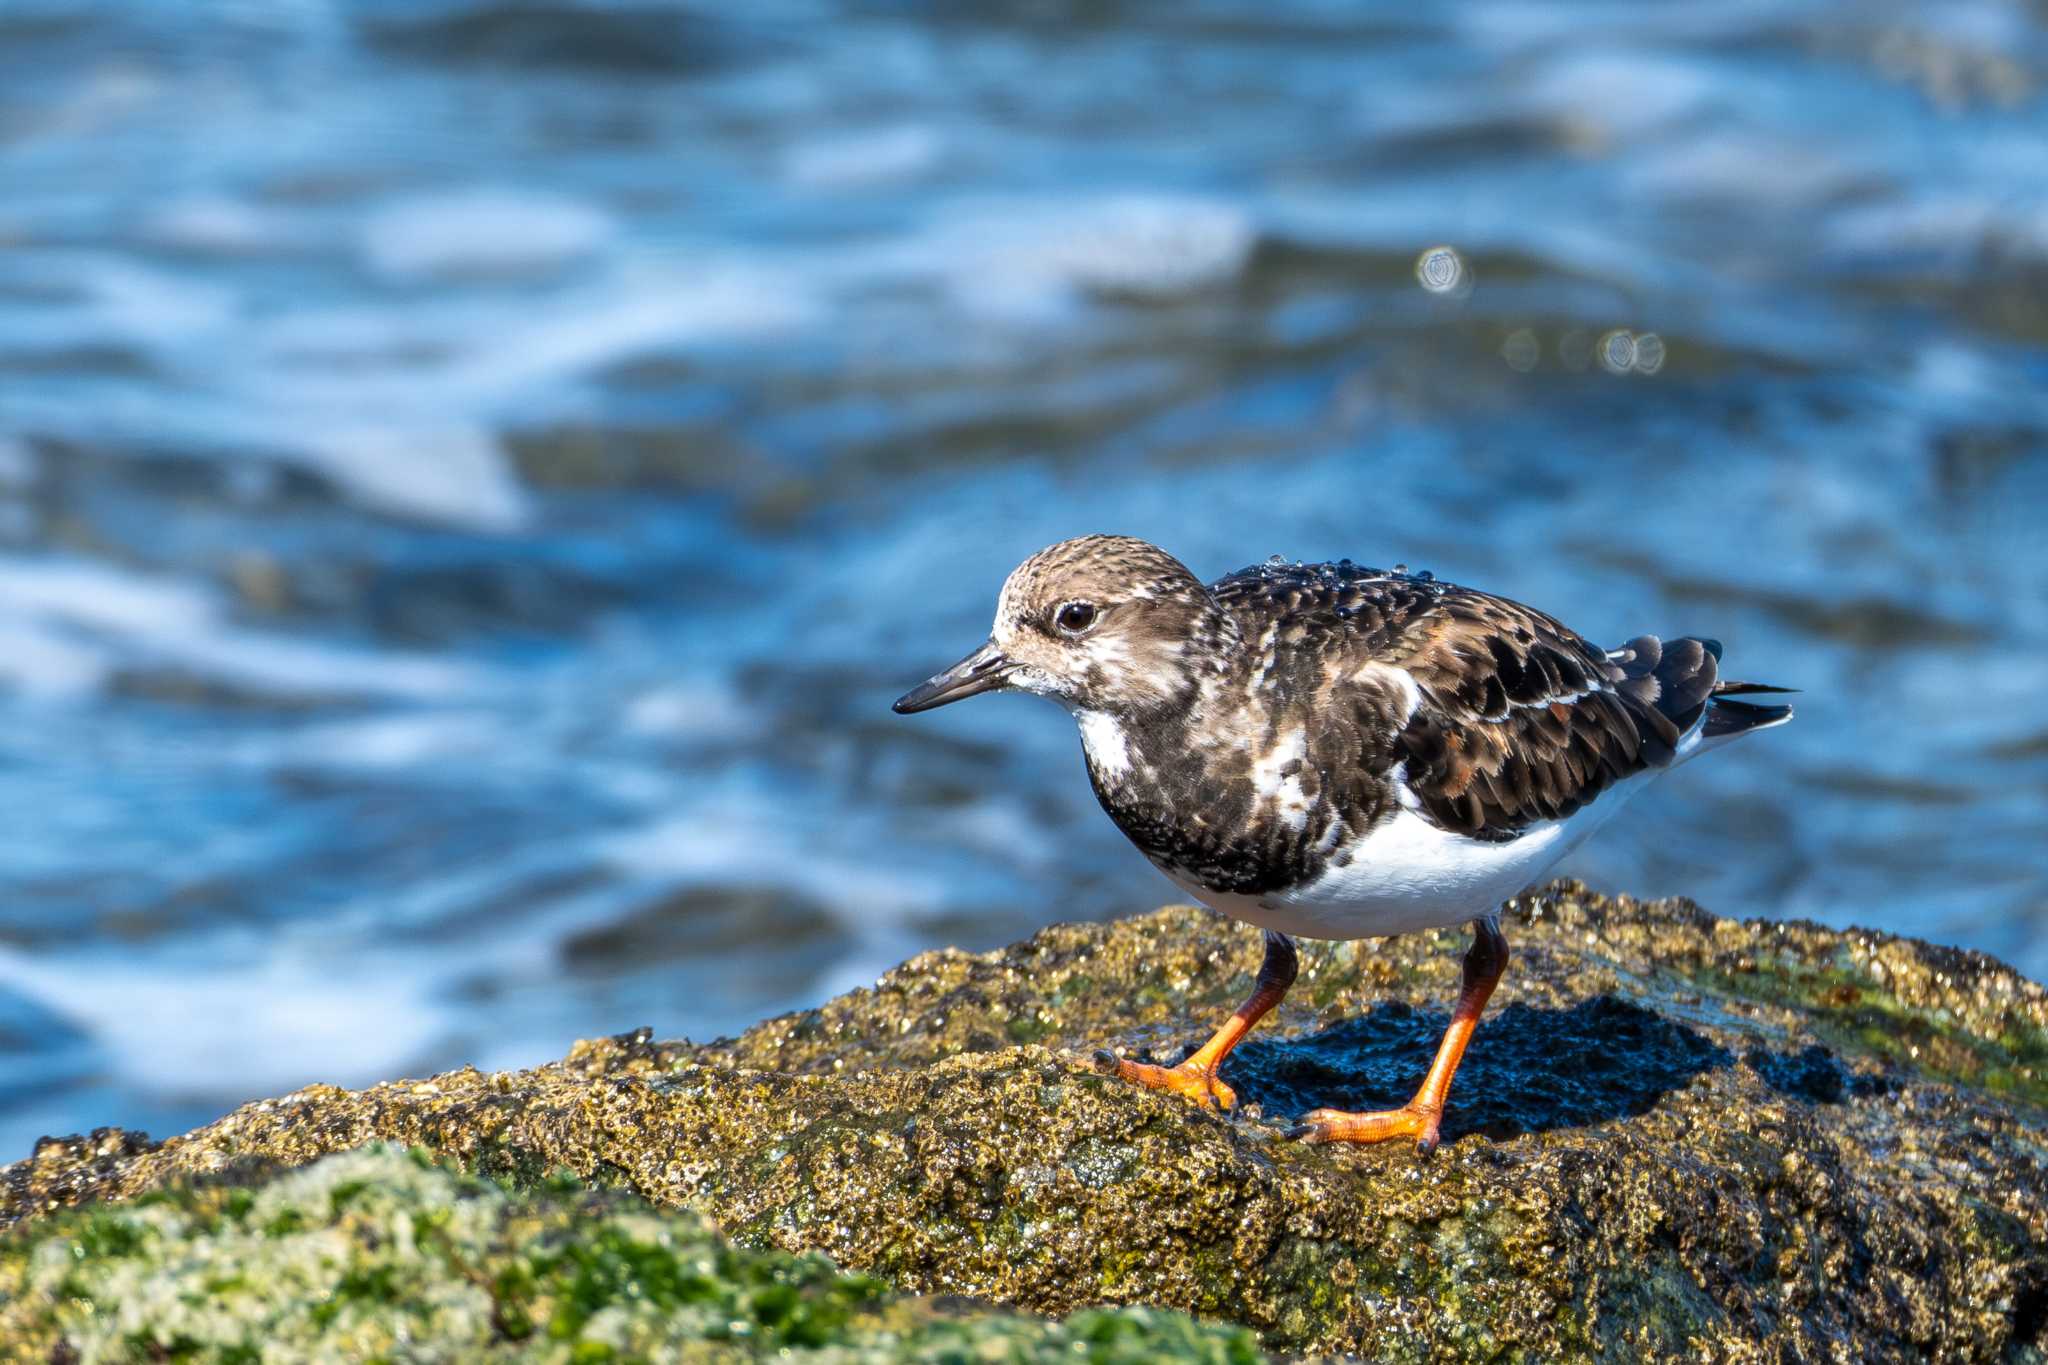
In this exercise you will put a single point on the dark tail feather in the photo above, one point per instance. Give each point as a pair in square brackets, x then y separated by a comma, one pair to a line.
[1672, 677]
[1743, 689]
[1671, 681]
[1726, 717]
[1686, 676]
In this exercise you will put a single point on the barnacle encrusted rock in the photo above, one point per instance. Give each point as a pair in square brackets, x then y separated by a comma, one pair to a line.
[1675, 1136]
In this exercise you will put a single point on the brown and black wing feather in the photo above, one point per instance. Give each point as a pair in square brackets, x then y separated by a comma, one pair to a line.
[1520, 718]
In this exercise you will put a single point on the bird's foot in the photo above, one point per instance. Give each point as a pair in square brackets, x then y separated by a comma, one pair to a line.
[1334, 1125]
[1197, 1083]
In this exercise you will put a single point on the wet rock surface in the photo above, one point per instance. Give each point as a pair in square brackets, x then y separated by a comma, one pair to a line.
[1675, 1135]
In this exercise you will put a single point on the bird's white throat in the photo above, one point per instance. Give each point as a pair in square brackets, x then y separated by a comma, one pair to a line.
[1102, 739]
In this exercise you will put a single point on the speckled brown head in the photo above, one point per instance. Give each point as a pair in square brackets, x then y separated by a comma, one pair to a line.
[1101, 623]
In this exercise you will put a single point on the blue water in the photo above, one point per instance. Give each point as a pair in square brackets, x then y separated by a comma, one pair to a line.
[473, 476]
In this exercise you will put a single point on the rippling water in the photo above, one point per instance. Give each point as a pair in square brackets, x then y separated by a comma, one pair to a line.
[472, 475]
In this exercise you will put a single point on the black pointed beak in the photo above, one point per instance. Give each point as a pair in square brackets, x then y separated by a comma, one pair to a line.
[982, 671]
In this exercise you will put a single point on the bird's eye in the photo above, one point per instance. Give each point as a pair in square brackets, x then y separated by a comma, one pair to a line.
[1075, 617]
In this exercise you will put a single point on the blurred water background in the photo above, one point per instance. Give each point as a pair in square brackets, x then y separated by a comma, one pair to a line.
[474, 473]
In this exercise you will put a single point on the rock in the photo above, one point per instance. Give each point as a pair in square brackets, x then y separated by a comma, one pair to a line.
[377, 1254]
[1675, 1136]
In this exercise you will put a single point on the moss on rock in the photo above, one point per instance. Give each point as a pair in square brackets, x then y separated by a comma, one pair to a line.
[1676, 1135]
[382, 1255]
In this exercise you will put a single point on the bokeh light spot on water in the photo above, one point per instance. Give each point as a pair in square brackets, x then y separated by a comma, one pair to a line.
[1441, 270]
[1521, 350]
[1649, 353]
[1616, 351]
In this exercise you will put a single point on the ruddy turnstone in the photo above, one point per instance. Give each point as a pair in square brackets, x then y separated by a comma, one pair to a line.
[1339, 752]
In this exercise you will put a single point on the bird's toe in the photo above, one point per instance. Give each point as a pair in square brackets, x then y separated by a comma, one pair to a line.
[1191, 1082]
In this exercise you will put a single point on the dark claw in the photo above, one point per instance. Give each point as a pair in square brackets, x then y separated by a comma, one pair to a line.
[1425, 1145]
[1106, 1061]
[1308, 1132]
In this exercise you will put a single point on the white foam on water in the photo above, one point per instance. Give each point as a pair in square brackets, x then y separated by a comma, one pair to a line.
[294, 667]
[869, 159]
[705, 709]
[482, 232]
[74, 623]
[639, 307]
[1032, 260]
[394, 403]
[448, 472]
[104, 598]
[441, 370]
[240, 1029]
[37, 661]
[121, 300]
[218, 225]
[391, 743]
[1750, 167]
[388, 451]
[1955, 227]
[1005, 829]
[1953, 375]
[112, 91]
[1623, 94]
[1149, 245]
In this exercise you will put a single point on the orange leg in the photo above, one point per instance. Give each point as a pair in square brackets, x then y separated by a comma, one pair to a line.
[1420, 1117]
[1196, 1077]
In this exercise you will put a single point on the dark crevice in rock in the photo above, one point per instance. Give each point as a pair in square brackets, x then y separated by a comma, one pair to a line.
[2030, 1315]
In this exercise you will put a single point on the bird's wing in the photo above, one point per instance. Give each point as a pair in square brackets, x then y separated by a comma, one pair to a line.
[1519, 719]
[1516, 718]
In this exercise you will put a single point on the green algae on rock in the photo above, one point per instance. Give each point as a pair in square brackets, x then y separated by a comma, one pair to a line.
[1677, 1136]
[381, 1255]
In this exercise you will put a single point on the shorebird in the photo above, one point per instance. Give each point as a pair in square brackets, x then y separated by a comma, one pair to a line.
[1333, 751]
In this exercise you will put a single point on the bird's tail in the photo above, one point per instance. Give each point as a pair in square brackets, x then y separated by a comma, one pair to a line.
[1725, 719]
[1680, 681]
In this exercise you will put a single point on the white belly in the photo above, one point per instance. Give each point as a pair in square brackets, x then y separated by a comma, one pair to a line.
[1405, 875]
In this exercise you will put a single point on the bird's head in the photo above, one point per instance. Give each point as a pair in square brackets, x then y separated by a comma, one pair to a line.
[1101, 623]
